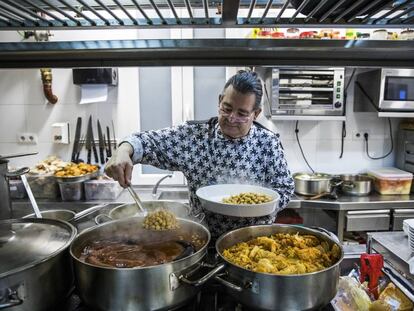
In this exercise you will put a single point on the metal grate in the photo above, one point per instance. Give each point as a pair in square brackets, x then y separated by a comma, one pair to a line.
[93, 14]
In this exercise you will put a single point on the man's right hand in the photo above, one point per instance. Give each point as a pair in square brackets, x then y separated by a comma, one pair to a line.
[119, 166]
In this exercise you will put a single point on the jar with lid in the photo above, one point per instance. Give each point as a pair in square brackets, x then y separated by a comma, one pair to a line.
[292, 33]
[380, 34]
[407, 34]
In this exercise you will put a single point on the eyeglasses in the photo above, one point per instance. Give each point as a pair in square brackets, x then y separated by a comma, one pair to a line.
[235, 117]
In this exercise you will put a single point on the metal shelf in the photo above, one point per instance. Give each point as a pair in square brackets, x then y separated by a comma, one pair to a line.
[308, 118]
[396, 114]
[97, 14]
[207, 52]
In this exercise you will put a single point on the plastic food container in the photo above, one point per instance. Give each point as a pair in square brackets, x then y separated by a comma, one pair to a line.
[102, 189]
[71, 191]
[43, 186]
[17, 190]
[391, 180]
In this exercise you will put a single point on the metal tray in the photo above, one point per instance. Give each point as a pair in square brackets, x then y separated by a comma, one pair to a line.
[78, 178]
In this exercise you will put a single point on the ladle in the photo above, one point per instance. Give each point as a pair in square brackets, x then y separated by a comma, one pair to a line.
[31, 197]
[137, 200]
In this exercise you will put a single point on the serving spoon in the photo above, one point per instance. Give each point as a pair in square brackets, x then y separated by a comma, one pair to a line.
[137, 200]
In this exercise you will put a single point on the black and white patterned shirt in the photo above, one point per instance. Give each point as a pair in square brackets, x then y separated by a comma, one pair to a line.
[205, 156]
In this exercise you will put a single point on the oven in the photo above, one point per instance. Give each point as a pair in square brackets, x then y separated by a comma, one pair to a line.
[306, 91]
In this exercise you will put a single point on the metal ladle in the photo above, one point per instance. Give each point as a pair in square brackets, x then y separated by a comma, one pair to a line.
[137, 200]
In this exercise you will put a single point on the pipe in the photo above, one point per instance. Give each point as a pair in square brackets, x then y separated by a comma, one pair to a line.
[47, 85]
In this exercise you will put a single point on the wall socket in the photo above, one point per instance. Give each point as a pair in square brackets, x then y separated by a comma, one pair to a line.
[27, 138]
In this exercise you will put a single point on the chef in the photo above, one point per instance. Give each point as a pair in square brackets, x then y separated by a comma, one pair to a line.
[230, 148]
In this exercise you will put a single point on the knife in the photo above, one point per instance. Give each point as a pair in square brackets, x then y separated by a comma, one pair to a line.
[77, 138]
[108, 150]
[92, 140]
[88, 143]
[113, 133]
[101, 144]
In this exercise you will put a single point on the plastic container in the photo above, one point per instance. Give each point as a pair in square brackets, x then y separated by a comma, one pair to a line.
[72, 191]
[102, 189]
[391, 180]
[43, 186]
[17, 189]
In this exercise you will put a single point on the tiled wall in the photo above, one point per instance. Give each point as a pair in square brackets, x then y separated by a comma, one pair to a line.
[23, 108]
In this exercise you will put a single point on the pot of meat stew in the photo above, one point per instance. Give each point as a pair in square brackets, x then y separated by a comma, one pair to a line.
[120, 265]
[265, 274]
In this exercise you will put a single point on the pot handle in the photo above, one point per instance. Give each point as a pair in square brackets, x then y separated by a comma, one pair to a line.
[204, 278]
[328, 233]
[228, 284]
[11, 299]
[200, 217]
[102, 218]
[348, 185]
[88, 211]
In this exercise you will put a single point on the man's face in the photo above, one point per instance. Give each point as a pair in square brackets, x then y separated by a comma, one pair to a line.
[236, 112]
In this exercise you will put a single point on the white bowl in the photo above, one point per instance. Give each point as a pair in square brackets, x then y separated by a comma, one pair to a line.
[211, 199]
[409, 223]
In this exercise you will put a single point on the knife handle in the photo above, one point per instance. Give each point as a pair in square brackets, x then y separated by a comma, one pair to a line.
[101, 155]
[89, 156]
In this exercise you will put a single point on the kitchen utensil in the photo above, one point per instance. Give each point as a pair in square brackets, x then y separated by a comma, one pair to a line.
[101, 144]
[130, 210]
[77, 139]
[67, 215]
[311, 184]
[95, 152]
[371, 266]
[113, 133]
[141, 288]
[109, 150]
[31, 197]
[137, 200]
[88, 143]
[356, 185]
[278, 292]
[80, 146]
[36, 270]
[211, 199]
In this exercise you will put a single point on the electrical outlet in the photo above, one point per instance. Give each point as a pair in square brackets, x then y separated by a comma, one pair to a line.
[358, 134]
[27, 138]
[60, 133]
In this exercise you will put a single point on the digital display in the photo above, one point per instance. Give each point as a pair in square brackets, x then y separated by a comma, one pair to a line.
[399, 88]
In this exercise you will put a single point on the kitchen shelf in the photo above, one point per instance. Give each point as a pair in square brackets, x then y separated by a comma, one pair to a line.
[306, 89]
[207, 52]
[308, 118]
[92, 14]
[396, 114]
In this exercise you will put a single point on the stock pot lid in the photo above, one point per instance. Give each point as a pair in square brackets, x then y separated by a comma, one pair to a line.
[312, 176]
[27, 242]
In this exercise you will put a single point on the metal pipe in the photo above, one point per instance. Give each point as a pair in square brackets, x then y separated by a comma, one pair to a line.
[92, 22]
[7, 16]
[407, 11]
[285, 5]
[324, 16]
[267, 8]
[189, 9]
[172, 8]
[390, 12]
[94, 12]
[205, 5]
[133, 20]
[154, 6]
[45, 12]
[61, 12]
[366, 18]
[363, 10]
[251, 8]
[28, 12]
[298, 10]
[356, 4]
[15, 12]
[149, 21]
[46, 74]
[120, 21]
[316, 9]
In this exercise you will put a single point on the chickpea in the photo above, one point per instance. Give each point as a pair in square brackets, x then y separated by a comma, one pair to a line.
[247, 198]
[160, 220]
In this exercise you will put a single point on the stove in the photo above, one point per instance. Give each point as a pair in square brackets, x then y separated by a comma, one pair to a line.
[210, 298]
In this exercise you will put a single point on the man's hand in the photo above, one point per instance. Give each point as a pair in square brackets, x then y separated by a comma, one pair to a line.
[119, 166]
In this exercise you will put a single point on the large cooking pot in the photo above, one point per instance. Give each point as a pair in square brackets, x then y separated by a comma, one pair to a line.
[311, 184]
[35, 270]
[356, 185]
[277, 292]
[155, 287]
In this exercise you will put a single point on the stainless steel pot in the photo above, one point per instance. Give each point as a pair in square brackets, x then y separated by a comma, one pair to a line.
[278, 292]
[356, 185]
[314, 184]
[142, 288]
[35, 271]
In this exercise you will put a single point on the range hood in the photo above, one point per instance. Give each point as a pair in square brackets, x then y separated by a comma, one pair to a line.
[65, 15]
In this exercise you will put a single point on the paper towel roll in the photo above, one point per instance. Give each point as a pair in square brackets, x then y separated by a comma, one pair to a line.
[93, 93]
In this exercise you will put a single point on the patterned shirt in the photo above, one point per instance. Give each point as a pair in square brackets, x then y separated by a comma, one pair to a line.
[205, 156]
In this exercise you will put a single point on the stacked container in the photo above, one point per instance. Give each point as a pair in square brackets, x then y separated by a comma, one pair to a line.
[391, 180]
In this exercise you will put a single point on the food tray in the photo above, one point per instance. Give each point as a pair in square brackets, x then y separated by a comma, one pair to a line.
[211, 199]
[78, 178]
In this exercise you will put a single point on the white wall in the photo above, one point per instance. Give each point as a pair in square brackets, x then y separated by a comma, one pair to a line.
[23, 108]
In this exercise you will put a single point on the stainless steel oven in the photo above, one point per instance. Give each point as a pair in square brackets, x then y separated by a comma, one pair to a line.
[385, 89]
[307, 91]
